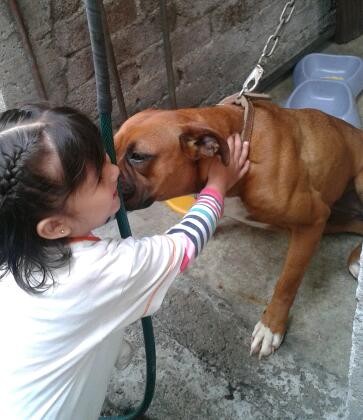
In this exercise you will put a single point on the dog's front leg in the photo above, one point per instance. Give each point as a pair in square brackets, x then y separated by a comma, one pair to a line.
[270, 330]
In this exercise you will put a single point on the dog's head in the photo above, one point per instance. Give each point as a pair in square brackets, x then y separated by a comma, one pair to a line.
[160, 155]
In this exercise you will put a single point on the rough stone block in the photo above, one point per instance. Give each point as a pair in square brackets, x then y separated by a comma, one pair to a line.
[151, 58]
[7, 26]
[120, 14]
[129, 75]
[147, 8]
[37, 17]
[10, 48]
[64, 9]
[186, 39]
[195, 9]
[129, 43]
[51, 68]
[83, 98]
[228, 15]
[146, 94]
[72, 34]
[79, 68]
[16, 83]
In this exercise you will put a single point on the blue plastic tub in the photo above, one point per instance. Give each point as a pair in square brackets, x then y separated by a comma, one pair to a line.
[330, 96]
[345, 68]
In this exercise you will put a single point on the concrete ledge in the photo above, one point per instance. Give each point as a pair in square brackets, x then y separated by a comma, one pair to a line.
[355, 396]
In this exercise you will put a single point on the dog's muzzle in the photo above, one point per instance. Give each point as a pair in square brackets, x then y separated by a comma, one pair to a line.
[133, 197]
[128, 190]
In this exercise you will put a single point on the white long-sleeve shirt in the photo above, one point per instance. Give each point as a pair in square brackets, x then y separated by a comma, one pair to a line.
[58, 348]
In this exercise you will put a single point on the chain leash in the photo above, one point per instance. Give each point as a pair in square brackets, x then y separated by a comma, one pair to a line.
[256, 74]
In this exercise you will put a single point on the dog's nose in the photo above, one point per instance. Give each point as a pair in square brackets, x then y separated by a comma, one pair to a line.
[128, 189]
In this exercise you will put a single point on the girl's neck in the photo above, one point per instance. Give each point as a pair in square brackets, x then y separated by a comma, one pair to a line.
[89, 237]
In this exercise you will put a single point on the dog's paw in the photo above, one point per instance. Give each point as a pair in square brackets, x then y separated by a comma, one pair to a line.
[354, 269]
[264, 341]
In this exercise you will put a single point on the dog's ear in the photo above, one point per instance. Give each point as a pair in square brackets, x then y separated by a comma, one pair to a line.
[199, 142]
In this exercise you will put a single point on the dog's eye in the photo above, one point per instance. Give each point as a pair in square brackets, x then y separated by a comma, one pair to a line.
[137, 158]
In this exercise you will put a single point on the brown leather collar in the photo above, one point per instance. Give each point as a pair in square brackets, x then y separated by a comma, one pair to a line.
[246, 102]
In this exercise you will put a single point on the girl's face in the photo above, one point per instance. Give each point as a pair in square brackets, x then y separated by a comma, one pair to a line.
[95, 201]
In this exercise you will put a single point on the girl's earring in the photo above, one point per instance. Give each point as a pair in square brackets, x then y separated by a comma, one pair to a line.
[62, 231]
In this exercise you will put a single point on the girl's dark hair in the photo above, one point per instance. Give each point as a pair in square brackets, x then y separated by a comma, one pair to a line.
[44, 153]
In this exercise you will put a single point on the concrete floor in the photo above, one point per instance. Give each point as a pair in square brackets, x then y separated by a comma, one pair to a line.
[203, 330]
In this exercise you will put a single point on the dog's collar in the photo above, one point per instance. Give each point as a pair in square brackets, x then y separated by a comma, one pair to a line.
[245, 101]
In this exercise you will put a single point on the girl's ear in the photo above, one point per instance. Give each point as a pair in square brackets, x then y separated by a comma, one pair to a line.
[53, 227]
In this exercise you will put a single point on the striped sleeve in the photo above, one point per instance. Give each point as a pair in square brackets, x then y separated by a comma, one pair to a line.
[199, 224]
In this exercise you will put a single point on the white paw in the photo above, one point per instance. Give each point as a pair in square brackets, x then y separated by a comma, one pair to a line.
[125, 355]
[264, 341]
[354, 269]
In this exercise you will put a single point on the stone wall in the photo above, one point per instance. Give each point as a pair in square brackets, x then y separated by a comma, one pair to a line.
[215, 45]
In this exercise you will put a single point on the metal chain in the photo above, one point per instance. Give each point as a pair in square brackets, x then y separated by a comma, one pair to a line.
[269, 48]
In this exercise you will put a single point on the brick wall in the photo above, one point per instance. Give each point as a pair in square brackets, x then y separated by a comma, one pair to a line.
[215, 45]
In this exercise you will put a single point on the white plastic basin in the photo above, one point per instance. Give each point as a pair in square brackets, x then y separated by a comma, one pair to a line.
[330, 96]
[344, 68]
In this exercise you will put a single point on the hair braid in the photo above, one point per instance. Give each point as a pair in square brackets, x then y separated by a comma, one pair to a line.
[11, 170]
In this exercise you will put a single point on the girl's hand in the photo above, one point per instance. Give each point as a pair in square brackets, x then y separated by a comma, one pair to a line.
[221, 177]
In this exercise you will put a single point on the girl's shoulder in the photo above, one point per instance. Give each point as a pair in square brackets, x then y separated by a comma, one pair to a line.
[101, 246]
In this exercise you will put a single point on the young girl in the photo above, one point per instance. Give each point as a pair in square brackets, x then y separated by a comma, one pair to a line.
[65, 295]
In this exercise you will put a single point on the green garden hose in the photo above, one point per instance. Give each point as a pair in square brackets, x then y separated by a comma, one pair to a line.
[104, 106]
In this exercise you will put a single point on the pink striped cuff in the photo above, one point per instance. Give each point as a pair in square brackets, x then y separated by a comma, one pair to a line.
[216, 194]
[189, 253]
[212, 204]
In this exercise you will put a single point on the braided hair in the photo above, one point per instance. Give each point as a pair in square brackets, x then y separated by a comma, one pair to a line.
[44, 153]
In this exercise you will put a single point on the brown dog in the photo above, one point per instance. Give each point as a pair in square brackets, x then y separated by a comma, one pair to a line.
[306, 175]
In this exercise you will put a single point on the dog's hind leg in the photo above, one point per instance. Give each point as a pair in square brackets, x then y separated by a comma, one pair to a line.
[353, 261]
[357, 227]
[347, 217]
[353, 226]
[269, 332]
[347, 212]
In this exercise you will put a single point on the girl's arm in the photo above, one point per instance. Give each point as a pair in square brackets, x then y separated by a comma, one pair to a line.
[199, 224]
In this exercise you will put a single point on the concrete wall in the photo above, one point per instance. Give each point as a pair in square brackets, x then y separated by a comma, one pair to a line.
[215, 45]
